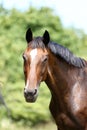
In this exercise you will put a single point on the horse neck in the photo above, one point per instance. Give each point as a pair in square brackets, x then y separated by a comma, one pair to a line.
[59, 75]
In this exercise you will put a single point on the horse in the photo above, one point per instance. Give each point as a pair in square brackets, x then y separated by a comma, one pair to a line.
[65, 75]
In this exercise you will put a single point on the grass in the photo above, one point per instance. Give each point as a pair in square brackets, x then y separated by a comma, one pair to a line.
[6, 124]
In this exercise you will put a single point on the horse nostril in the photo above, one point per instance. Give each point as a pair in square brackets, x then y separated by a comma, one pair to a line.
[25, 93]
[35, 91]
[30, 92]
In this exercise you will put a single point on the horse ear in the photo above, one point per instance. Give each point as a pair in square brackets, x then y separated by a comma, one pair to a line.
[46, 37]
[29, 35]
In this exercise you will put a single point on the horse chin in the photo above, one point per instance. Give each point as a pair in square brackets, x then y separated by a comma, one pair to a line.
[31, 99]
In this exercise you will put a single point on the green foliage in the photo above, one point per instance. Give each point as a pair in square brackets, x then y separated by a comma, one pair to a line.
[13, 25]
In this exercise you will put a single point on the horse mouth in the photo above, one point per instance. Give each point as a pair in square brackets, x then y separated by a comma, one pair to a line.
[31, 98]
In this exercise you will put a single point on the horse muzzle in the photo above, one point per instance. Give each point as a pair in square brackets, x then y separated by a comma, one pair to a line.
[30, 95]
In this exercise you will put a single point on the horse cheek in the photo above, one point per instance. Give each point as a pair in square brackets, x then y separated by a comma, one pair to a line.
[44, 73]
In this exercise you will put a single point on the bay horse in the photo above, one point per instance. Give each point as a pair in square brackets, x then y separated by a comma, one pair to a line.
[65, 75]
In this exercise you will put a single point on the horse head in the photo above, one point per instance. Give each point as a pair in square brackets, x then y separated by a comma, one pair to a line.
[35, 64]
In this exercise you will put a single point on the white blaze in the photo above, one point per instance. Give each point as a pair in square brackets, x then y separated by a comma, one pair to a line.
[33, 54]
[27, 84]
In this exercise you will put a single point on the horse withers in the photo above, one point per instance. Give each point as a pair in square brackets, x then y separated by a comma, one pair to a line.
[65, 75]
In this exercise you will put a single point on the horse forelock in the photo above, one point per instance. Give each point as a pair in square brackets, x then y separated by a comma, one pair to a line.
[37, 43]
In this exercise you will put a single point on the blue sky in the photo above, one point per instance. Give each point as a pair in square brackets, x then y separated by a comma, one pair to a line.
[73, 13]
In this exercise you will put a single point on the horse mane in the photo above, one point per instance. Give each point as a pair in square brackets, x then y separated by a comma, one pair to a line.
[67, 55]
[59, 51]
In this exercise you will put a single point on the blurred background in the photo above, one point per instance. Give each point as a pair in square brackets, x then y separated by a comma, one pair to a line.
[66, 22]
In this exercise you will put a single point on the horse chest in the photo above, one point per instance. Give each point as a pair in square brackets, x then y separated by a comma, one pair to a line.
[63, 120]
[71, 113]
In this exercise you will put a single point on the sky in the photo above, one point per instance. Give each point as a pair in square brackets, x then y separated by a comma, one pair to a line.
[73, 13]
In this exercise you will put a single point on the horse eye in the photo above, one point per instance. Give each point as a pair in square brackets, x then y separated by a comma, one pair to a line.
[44, 59]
